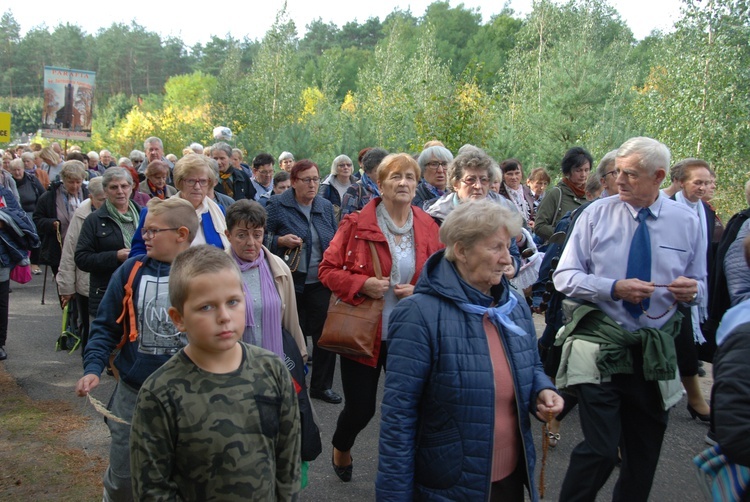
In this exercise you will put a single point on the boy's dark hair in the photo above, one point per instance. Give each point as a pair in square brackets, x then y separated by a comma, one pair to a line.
[262, 159]
[195, 261]
[280, 177]
[576, 157]
[249, 212]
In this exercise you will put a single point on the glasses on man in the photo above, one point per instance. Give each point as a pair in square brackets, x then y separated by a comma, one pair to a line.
[473, 180]
[149, 233]
[435, 165]
[191, 182]
[612, 172]
[310, 181]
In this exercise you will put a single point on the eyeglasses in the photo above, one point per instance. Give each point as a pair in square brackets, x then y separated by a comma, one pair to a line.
[266, 173]
[612, 172]
[309, 181]
[191, 182]
[472, 180]
[434, 165]
[149, 233]
[345, 164]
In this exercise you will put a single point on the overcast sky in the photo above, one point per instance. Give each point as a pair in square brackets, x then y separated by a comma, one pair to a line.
[194, 21]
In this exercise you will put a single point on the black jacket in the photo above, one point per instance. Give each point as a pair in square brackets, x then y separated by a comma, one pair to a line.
[730, 395]
[96, 252]
[45, 216]
[241, 185]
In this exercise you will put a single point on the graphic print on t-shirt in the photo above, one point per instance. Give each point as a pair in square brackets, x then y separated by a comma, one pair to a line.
[158, 335]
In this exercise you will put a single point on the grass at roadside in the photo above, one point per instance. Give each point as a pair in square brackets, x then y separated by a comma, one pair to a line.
[38, 461]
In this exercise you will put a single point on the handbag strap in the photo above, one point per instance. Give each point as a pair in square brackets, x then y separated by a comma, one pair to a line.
[375, 261]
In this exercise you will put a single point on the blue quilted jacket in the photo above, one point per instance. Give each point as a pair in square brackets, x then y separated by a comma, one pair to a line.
[285, 217]
[438, 408]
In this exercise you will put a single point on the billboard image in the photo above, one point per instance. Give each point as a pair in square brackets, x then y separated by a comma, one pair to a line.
[68, 103]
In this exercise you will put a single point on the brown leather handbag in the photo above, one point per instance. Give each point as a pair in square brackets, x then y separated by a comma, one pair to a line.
[351, 330]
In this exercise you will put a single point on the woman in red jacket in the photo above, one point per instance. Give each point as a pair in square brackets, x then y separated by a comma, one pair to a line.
[404, 237]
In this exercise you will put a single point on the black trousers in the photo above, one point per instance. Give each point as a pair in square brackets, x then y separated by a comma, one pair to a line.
[4, 301]
[312, 307]
[360, 383]
[684, 345]
[625, 412]
[83, 319]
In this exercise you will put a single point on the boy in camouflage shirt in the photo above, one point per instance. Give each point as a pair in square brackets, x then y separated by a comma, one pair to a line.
[220, 420]
[133, 316]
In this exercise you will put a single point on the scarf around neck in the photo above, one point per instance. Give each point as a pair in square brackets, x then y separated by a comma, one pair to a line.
[156, 192]
[127, 221]
[270, 304]
[579, 192]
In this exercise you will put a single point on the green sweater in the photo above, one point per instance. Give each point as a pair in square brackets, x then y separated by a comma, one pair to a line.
[659, 358]
[556, 202]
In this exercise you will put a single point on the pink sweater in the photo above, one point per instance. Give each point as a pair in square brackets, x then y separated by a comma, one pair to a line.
[506, 439]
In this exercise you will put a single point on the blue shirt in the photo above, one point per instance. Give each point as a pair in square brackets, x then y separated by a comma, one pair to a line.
[739, 314]
[596, 256]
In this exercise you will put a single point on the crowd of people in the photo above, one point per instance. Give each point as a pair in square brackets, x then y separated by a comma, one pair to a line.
[198, 281]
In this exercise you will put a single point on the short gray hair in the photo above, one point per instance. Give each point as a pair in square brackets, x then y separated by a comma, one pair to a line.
[124, 161]
[153, 139]
[470, 157]
[114, 174]
[96, 186]
[747, 192]
[472, 221]
[73, 169]
[196, 147]
[27, 155]
[434, 152]
[337, 161]
[93, 155]
[286, 155]
[223, 147]
[652, 155]
[137, 155]
[607, 164]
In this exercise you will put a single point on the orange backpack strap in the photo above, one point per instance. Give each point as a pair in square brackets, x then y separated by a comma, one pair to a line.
[127, 318]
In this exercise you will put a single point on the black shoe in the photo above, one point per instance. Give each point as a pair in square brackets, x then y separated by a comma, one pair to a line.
[3, 354]
[703, 417]
[344, 473]
[325, 395]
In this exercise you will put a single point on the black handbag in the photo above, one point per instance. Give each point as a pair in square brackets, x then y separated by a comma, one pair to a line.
[311, 443]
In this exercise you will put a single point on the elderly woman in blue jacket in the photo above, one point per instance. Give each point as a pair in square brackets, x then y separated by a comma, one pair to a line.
[463, 372]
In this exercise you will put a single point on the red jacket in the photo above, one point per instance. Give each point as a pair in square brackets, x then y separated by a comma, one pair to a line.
[347, 263]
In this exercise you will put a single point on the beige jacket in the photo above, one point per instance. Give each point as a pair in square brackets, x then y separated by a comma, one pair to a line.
[282, 276]
[71, 279]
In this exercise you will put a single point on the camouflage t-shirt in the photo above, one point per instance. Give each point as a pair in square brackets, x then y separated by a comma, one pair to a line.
[203, 436]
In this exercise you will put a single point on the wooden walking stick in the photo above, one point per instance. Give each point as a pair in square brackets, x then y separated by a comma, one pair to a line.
[545, 448]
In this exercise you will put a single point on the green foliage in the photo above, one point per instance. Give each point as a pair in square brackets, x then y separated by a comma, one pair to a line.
[566, 74]
[695, 98]
[562, 88]
[26, 114]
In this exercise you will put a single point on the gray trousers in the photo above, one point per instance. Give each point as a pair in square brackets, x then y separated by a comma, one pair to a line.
[117, 484]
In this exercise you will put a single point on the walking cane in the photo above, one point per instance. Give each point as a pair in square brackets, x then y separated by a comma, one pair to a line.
[44, 285]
